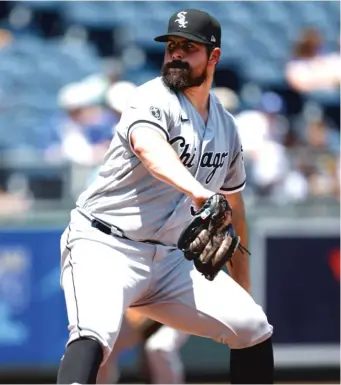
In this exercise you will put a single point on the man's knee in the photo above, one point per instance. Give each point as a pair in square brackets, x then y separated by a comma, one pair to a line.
[251, 330]
[105, 340]
[255, 329]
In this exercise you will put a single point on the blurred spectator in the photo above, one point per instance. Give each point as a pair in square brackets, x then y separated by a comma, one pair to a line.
[118, 95]
[6, 38]
[317, 154]
[228, 98]
[311, 68]
[321, 137]
[337, 179]
[116, 98]
[11, 203]
[82, 132]
[265, 122]
[264, 133]
[323, 147]
[272, 108]
[110, 74]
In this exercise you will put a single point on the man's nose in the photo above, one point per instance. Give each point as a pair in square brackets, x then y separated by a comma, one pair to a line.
[178, 54]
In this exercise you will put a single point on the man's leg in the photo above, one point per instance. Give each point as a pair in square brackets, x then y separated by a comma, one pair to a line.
[160, 359]
[99, 281]
[220, 310]
[127, 338]
[163, 353]
[81, 362]
[253, 365]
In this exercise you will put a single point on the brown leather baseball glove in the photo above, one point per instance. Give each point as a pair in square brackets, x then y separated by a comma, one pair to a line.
[210, 239]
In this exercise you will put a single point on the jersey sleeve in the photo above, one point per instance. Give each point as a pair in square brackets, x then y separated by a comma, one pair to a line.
[235, 179]
[145, 110]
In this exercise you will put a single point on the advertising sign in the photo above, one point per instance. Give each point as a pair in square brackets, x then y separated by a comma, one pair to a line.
[33, 323]
[296, 278]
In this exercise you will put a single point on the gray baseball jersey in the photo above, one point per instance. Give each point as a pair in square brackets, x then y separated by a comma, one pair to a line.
[126, 195]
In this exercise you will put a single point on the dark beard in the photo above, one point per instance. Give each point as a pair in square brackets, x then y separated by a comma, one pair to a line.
[178, 76]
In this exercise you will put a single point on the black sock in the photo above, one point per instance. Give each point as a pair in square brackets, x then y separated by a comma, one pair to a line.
[253, 365]
[80, 362]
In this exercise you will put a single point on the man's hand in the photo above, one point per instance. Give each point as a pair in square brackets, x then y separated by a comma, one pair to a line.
[200, 196]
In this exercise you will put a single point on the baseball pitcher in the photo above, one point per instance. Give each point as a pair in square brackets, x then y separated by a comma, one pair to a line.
[163, 216]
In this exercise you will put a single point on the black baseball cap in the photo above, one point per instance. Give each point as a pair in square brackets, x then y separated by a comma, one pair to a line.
[194, 25]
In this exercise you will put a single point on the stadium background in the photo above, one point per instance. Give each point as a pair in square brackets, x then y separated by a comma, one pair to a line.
[63, 73]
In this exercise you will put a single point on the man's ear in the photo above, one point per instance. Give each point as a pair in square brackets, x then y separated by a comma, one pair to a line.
[215, 56]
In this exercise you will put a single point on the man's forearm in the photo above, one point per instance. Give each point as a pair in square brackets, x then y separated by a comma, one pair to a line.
[239, 270]
[162, 161]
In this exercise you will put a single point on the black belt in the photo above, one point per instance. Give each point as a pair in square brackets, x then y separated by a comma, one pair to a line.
[107, 229]
[101, 227]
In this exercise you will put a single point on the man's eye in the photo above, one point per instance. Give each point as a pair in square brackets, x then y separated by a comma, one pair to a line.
[189, 46]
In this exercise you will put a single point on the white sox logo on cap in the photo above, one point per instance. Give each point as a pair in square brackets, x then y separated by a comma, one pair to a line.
[193, 25]
[181, 19]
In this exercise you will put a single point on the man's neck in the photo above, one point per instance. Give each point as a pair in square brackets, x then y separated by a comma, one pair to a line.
[199, 98]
